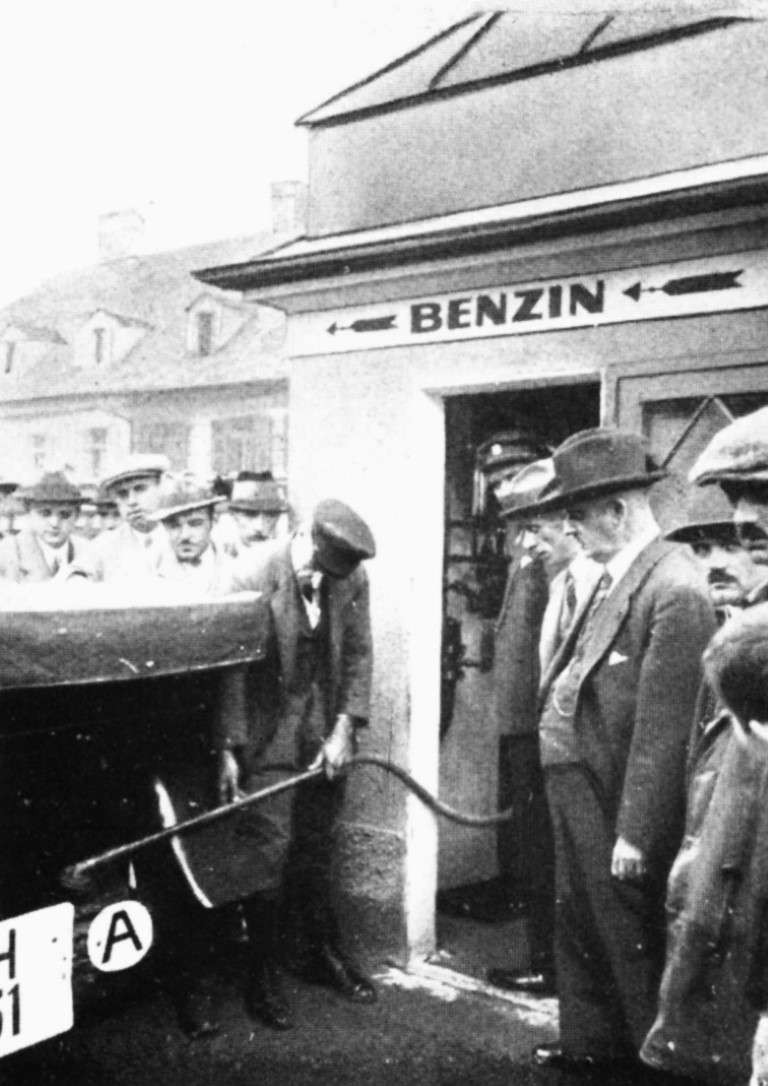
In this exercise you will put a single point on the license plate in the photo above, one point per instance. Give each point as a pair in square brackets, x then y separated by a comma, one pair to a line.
[35, 976]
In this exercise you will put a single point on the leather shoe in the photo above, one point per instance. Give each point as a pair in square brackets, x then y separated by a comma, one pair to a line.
[333, 970]
[553, 1056]
[264, 999]
[514, 980]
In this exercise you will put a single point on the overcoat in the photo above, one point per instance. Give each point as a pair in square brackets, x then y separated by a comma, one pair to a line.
[716, 973]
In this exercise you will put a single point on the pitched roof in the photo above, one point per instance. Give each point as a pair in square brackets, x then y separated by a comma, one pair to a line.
[501, 46]
[154, 292]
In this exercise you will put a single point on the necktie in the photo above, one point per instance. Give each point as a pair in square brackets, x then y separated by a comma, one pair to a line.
[568, 610]
[566, 687]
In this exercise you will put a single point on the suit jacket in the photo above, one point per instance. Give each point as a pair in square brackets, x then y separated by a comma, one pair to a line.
[640, 678]
[124, 554]
[516, 647]
[347, 678]
[22, 559]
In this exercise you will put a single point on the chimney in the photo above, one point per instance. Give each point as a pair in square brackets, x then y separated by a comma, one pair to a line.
[289, 207]
[120, 234]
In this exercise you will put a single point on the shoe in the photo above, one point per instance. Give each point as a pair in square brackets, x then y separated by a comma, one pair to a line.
[515, 980]
[332, 970]
[192, 1017]
[264, 999]
[554, 1057]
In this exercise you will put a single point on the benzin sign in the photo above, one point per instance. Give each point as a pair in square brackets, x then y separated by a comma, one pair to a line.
[654, 292]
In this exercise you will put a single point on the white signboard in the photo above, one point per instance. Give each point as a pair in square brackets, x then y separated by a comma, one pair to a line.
[654, 292]
[35, 977]
[120, 936]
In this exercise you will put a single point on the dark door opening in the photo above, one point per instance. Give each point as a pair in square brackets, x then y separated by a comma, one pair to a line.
[475, 928]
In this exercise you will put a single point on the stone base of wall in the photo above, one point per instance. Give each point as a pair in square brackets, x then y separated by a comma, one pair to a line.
[370, 864]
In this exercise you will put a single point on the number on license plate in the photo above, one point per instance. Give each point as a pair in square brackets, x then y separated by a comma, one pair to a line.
[35, 977]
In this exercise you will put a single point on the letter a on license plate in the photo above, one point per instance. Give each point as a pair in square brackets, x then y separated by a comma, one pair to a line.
[35, 976]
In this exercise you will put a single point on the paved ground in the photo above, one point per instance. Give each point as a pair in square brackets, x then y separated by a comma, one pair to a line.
[420, 1033]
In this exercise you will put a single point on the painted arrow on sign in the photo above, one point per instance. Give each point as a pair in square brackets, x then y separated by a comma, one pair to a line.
[689, 284]
[365, 324]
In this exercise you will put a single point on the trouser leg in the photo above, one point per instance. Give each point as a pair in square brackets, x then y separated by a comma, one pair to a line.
[264, 994]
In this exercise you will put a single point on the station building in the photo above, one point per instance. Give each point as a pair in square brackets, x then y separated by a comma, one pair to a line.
[560, 220]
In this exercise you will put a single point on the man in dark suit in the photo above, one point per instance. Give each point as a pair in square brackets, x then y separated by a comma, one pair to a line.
[302, 711]
[617, 704]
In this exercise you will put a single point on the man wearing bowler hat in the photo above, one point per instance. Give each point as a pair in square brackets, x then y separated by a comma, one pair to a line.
[617, 705]
[46, 547]
[255, 506]
[303, 710]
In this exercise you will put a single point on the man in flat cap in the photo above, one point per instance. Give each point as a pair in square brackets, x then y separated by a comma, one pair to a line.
[303, 709]
[133, 548]
[46, 548]
[617, 705]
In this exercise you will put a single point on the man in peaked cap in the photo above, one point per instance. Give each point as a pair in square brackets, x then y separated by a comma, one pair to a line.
[133, 549]
[46, 547]
[304, 712]
[617, 704]
[255, 506]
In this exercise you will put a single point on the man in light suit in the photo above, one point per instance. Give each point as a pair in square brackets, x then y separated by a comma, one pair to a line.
[302, 710]
[617, 704]
[133, 548]
[46, 548]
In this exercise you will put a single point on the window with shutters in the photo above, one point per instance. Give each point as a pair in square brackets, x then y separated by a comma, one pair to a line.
[243, 443]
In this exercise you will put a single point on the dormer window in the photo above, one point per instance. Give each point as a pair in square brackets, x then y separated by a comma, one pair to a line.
[204, 332]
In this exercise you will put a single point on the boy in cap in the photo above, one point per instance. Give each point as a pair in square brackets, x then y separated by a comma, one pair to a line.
[46, 548]
[304, 710]
[713, 1004]
[134, 547]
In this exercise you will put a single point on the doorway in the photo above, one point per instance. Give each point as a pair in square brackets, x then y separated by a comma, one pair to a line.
[477, 928]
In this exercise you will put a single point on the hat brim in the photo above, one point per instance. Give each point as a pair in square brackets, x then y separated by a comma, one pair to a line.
[556, 500]
[699, 533]
[257, 507]
[746, 478]
[188, 507]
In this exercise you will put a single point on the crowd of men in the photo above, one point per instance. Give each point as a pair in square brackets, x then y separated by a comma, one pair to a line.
[632, 702]
[301, 710]
[639, 754]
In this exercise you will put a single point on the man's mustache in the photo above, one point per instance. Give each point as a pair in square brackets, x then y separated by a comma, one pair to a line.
[719, 578]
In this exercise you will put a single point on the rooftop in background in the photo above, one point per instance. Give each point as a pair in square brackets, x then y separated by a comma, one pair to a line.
[504, 46]
[151, 295]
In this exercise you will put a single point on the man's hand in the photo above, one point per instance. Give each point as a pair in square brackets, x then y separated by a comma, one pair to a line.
[229, 777]
[760, 1053]
[627, 862]
[338, 748]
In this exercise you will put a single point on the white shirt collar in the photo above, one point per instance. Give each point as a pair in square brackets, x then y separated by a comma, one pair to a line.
[620, 563]
[55, 557]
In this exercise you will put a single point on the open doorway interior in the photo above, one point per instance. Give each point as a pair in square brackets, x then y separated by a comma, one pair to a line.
[481, 925]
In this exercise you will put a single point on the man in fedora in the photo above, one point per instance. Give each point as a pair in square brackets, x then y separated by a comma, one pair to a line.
[617, 704]
[46, 548]
[134, 547]
[192, 557]
[304, 709]
[255, 506]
